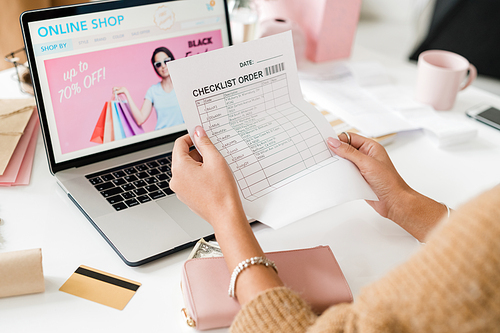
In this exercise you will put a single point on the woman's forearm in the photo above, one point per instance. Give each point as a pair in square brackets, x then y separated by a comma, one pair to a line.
[140, 115]
[238, 243]
[208, 187]
[418, 214]
[137, 113]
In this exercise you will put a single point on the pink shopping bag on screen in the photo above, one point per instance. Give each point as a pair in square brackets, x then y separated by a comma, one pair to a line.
[123, 120]
[136, 129]
[117, 124]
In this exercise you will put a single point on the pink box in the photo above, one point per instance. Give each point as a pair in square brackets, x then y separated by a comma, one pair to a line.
[329, 25]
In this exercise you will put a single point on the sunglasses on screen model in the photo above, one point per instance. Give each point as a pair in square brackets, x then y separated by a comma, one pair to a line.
[163, 62]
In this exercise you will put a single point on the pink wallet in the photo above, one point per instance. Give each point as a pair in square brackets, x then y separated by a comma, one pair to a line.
[313, 273]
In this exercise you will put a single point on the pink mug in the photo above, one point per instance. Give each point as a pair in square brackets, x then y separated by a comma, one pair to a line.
[441, 75]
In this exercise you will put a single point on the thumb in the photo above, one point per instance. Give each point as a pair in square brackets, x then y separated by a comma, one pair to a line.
[348, 152]
[203, 143]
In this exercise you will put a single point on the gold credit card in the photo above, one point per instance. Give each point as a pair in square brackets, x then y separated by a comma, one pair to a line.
[100, 287]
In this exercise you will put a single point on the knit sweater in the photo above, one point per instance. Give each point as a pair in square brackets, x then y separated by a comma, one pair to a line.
[451, 285]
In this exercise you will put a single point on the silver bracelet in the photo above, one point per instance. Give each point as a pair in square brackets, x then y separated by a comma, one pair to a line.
[245, 264]
[448, 210]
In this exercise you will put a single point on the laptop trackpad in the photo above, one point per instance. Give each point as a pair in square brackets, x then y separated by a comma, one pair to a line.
[142, 231]
[189, 221]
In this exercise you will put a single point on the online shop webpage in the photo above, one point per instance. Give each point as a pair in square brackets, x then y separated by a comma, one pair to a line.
[83, 60]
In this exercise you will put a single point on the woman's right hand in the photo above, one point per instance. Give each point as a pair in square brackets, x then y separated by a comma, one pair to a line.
[205, 184]
[397, 201]
[120, 90]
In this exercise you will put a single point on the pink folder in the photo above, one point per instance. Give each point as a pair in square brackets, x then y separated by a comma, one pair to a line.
[18, 171]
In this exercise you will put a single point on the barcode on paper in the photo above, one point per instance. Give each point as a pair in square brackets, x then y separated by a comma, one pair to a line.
[275, 69]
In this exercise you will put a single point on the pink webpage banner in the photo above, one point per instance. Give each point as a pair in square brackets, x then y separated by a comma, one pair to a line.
[81, 86]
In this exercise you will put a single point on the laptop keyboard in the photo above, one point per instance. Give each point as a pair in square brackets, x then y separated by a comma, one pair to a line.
[135, 183]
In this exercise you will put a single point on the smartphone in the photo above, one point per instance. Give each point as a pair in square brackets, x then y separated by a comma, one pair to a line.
[486, 114]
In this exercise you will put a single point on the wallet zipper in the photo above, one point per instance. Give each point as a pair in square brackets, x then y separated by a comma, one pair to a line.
[189, 320]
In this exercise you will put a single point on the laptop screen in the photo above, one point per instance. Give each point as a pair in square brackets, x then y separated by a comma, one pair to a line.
[103, 80]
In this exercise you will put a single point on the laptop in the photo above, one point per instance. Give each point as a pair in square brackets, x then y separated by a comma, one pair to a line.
[109, 113]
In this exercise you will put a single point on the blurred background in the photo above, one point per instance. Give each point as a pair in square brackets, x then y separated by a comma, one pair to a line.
[11, 38]
[394, 28]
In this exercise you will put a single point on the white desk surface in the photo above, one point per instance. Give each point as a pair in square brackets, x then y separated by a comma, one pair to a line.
[365, 245]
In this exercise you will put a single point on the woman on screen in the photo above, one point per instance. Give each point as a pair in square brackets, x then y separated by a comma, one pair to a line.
[160, 95]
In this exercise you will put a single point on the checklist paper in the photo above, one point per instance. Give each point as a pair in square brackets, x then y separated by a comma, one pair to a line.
[248, 99]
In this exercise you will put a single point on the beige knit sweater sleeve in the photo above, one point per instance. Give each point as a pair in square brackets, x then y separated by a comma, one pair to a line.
[451, 285]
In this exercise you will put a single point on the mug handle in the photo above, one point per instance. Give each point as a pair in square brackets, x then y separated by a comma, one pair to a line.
[471, 78]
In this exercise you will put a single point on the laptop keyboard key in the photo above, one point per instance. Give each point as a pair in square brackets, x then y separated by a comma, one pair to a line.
[162, 177]
[115, 199]
[156, 195]
[140, 183]
[152, 164]
[153, 172]
[152, 188]
[120, 206]
[128, 187]
[168, 191]
[164, 168]
[108, 177]
[130, 179]
[96, 180]
[162, 185]
[119, 174]
[142, 175]
[130, 171]
[163, 161]
[140, 191]
[111, 192]
[142, 167]
[151, 180]
[132, 202]
[104, 186]
[128, 195]
[119, 181]
[143, 199]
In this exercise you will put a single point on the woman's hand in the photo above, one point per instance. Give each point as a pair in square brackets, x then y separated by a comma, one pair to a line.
[206, 183]
[207, 186]
[121, 90]
[140, 115]
[397, 201]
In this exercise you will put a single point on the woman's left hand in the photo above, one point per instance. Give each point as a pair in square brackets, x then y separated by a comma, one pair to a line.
[397, 201]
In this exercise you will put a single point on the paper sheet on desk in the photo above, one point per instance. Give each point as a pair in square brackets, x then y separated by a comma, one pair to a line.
[443, 131]
[248, 99]
[362, 95]
[356, 106]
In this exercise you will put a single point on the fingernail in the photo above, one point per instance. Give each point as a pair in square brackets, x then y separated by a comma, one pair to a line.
[335, 143]
[199, 131]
